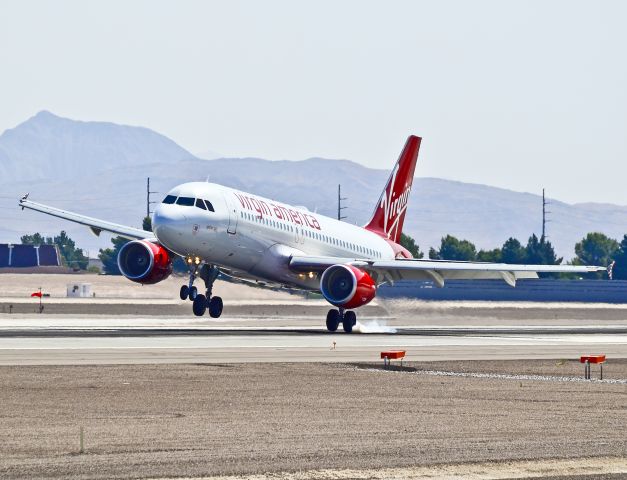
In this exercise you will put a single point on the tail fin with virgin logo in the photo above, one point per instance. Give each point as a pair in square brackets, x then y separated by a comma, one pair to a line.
[389, 214]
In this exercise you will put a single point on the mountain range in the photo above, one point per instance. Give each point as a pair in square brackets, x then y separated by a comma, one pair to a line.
[100, 169]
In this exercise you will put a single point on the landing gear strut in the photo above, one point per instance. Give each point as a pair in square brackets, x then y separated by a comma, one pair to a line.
[209, 273]
[347, 319]
[205, 302]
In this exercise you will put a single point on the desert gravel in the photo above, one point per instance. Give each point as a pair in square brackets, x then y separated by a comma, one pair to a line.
[166, 421]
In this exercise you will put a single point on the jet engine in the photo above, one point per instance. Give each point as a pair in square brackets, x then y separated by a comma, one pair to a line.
[144, 262]
[347, 286]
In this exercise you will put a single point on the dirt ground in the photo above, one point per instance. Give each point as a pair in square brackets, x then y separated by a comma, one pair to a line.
[192, 420]
[15, 285]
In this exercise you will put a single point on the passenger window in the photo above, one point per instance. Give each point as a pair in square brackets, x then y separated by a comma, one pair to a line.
[209, 206]
[200, 204]
[185, 201]
[170, 199]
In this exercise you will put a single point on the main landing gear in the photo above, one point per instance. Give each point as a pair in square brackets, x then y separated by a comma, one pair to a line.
[347, 319]
[202, 303]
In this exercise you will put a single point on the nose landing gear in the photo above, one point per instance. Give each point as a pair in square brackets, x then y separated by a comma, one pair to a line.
[202, 303]
[347, 319]
[189, 291]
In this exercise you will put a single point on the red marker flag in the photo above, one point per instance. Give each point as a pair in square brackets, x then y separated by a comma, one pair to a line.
[36, 294]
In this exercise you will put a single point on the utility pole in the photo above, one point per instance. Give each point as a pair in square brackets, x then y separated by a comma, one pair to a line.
[339, 203]
[544, 213]
[148, 193]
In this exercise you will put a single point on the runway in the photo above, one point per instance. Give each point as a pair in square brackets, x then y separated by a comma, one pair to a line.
[75, 341]
[175, 395]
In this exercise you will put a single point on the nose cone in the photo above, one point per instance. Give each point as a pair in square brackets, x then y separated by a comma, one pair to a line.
[168, 224]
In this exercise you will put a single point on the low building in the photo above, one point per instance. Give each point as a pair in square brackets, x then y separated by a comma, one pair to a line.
[18, 256]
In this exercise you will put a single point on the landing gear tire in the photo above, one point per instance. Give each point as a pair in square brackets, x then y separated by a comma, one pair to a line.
[333, 320]
[215, 307]
[200, 305]
[193, 293]
[184, 292]
[350, 320]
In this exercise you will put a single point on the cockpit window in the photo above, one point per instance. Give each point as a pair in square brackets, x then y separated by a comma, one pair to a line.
[200, 204]
[209, 206]
[185, 201]
[170, 199]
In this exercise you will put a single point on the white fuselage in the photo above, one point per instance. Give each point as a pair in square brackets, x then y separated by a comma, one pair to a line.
[253, 237]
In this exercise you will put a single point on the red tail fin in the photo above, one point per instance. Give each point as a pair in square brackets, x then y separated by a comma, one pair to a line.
[389, 213]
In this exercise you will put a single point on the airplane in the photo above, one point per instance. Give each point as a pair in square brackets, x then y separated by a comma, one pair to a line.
[220, 230]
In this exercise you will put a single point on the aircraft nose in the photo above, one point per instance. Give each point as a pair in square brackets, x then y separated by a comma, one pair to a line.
[167, 224]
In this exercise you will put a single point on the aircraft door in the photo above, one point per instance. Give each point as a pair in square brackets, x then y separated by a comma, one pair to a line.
[300, 235]
[233, 214]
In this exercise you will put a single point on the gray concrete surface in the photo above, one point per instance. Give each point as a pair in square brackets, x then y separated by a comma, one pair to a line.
[54, 339]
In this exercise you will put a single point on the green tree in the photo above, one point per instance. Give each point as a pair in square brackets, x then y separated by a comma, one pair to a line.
[493, 256]
[74, 257]
[35, 239]
[541, 252]
[147, 224]
[596, 249]
[452, 248]
[513, 252]
[620, 268]
[109, 256]
[71, 256]
[410, 244]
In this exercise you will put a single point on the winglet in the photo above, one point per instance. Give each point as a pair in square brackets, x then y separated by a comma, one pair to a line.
[23, 199]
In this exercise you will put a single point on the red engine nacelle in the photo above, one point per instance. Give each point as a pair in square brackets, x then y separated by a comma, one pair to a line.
[347, 286]
[144, 262]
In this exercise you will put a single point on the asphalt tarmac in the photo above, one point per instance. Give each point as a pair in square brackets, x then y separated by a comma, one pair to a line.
[50, 340]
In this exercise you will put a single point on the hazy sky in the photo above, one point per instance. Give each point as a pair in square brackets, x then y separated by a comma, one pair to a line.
[514, 94]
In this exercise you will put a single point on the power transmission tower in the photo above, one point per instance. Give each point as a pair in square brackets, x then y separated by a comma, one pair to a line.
[340, 199]
[148, 193]
[544, 214]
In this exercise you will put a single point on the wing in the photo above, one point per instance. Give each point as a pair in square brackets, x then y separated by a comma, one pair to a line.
[438, 271]
[95, 225]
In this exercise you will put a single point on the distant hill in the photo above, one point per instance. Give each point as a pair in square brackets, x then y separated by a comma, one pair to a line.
[50, 147]
[100, 169]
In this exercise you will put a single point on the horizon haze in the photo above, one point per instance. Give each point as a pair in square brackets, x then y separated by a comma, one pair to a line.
[523, 95]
